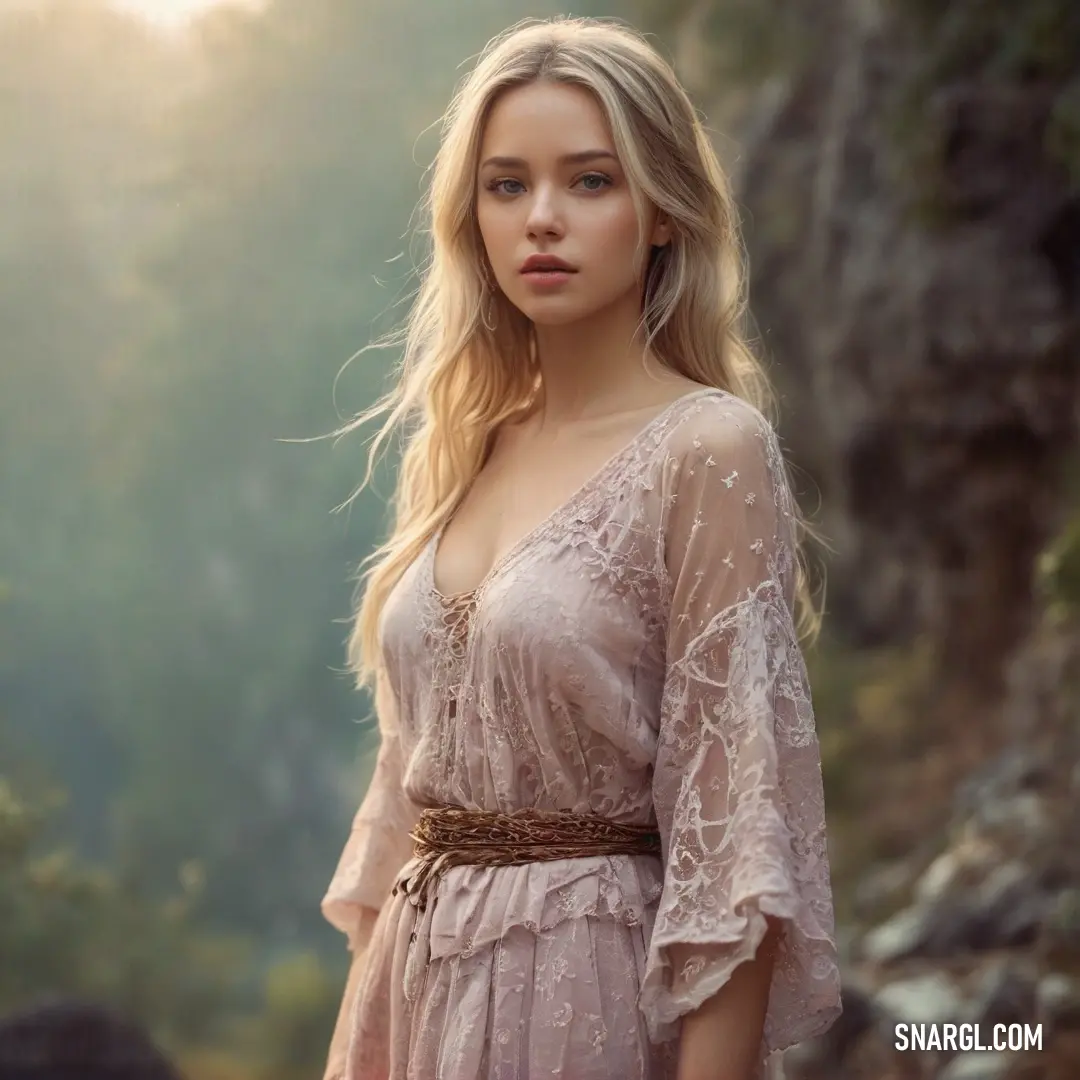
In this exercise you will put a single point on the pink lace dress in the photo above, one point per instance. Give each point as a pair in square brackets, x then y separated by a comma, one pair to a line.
[633, 656]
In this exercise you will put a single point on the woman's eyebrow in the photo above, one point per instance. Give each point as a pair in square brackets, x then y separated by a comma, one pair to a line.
[578, 158]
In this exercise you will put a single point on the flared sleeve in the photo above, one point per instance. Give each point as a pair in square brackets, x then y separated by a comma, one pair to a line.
[737, 782]
[378, 845]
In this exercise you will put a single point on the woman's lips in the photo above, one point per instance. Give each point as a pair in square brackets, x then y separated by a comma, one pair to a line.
[547, 278]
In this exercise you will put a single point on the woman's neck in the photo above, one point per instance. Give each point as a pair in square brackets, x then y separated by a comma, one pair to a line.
[593, 367]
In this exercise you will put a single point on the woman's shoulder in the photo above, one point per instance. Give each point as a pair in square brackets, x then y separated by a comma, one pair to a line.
[710, 423]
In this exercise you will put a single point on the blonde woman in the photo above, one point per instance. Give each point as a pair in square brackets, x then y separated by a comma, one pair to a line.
[594, 845]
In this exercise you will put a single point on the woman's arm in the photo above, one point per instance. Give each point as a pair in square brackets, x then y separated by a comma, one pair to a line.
[742, 959]
[378, 846]
[721, 1039]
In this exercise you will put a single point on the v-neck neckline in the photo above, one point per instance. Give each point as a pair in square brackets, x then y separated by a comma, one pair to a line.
[566, 506]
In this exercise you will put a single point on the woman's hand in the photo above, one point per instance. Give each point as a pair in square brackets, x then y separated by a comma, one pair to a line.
[721, 1040]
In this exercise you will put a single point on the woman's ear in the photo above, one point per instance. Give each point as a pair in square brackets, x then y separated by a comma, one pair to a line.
[661, 234]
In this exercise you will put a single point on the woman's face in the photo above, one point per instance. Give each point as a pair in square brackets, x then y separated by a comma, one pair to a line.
[551, 187]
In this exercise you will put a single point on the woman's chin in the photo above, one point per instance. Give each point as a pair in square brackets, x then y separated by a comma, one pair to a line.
[554, 314]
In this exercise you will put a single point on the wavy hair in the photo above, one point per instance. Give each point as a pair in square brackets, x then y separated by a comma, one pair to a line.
[458, 379]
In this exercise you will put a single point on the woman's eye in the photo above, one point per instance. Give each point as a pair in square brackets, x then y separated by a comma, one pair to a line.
[507, 185]
[595, 181]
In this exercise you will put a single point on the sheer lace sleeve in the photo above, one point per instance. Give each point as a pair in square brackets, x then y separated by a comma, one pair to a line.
[737, 784]
[378, 845]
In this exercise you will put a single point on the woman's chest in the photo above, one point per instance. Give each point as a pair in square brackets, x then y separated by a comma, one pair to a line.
[525, 491]
[577, 600]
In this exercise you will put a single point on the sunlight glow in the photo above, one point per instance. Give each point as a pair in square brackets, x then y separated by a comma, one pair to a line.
[176, 14]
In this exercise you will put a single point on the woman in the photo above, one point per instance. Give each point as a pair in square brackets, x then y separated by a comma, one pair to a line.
[594, 712]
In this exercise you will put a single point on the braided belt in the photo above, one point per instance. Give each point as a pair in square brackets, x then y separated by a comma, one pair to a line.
[449, 836]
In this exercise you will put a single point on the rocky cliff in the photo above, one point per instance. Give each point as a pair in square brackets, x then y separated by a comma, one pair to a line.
[911, 178]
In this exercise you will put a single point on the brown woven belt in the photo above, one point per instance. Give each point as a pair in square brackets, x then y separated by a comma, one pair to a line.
[449, 836]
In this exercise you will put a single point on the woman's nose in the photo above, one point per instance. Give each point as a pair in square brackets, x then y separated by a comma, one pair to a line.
[544, 216]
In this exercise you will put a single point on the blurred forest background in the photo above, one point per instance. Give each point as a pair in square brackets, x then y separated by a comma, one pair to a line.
[199, 229]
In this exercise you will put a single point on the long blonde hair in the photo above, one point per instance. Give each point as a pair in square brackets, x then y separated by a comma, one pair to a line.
[459, 379]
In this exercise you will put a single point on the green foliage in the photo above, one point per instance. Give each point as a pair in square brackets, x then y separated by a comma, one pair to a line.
[1059, 571]
[302, 1000]
[73, 929]
[867, 705]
